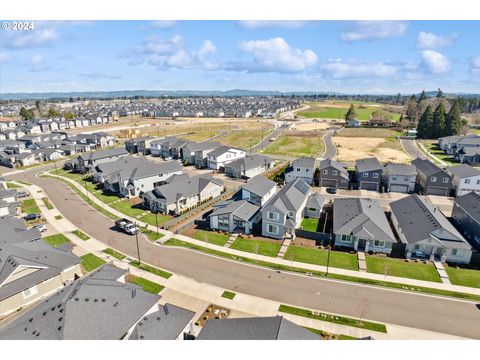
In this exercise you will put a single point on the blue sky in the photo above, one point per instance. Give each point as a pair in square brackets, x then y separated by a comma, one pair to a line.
[342, 56]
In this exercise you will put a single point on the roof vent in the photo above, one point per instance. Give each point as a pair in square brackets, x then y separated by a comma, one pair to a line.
[103, 300]
[60, 318]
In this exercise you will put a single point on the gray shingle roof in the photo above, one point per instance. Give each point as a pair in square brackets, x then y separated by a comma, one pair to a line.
[361, 217]
[259, 185]
[249, 162]
[426, 167]
[165, 324]
[418, 220]
[255, 328]
[241, 209]
[462, 171]
[291, 196]
[95, 307]
[401, 169]
[14, 230]
[470, 202]
[305, 162]
[341, 167]
[368, 164]
[220, 150]
[101, 154]
[315, 201]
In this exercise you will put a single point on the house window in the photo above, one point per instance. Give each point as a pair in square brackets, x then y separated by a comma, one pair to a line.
[334, 172]
[467, 181]
[417, 247]
[272, 229]
[456, 252]
[325, 172]
[272, 215]
[347, 238]
[312, 209]
[298, 169]
[433, 179]
[375, 175]
[394, 178]
[30, 292]
[406, 178]
[365, 175]
[446, 180]
[478, 182]
[291, 214]
[307, 170]
[379, 243]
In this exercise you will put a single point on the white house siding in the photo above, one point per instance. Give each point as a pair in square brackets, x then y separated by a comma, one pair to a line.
[145, 184]
[466, 185]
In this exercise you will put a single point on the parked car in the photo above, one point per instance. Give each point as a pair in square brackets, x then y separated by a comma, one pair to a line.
[41, 227]
[22, 194]
[127, 226]
[32, 217]
[332, 190]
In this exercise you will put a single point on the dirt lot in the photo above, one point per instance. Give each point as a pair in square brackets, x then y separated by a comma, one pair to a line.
[353, 148]
[313, 126]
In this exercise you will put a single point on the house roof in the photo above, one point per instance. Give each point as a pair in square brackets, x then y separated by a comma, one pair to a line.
[419, 220]
[368, 164]
[470, 202]
[254, 328]
[259, 185]
[95, 307]
[241, 209]
[426, 167]
[221, 150]
[102, 154]
[470, 151]
[304, 162]
[462, 171]
[165, 324]
[204, 145]
[290, 197]
[249, 162]
[401, 169]
[361, 217]
[315, 201]
[14, 231]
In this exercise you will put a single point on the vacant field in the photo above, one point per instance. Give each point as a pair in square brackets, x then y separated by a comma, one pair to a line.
[303, 144]
[338, 110]
[244, 139]
[401, 268]
[354, 144]
[200, 136]
[313, 126]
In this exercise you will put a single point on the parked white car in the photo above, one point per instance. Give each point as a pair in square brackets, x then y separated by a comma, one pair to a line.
[41, 227]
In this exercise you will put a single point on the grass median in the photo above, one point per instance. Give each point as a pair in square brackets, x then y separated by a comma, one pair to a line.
[81, 235]
[117, 255]
[47, 203]
[151, 269]
[147, 285]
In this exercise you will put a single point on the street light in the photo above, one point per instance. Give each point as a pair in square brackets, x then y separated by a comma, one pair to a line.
[156, 220]
[138, 247]
[328, 256]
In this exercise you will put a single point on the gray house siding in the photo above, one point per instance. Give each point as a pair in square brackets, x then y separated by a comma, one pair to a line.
[466, 225]
[369, 180]
[331, 177]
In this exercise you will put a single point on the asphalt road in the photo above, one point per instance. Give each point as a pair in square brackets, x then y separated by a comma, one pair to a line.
[330, 148]
[383, 305]
[266, 141]
[412, 149]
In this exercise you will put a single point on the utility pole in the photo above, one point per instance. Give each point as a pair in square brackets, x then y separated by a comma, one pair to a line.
[328, 256]
[138, 247]
[156, 220]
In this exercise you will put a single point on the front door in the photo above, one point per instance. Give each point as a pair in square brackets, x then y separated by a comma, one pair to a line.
[361, 244]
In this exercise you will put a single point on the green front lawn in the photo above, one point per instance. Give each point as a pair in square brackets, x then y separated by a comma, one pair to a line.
[310, 224]
[261, 247]
[401, 268]
[29, 206]
[126, 208]
[114, 253]
[464, 277]
[107, 198]
[228, 295]
[47, 203]
[56, 240]
[91, 262]
[11, 185]
[291, 144]
[151, 269]
[211, 237]
[147, 285]
[315, 256]
[151, 235]
[81, 235]
[150, 219]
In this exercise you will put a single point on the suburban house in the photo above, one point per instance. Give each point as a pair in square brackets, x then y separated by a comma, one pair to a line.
[369, 173]
[354, 123]
[190, 149]
[234, 216]
[201, 156]
[254, 328]
[8, 202]
[30, 269]
[464, 179]
[249, 166]
[156, 146]
[400, 178]
[171, 147]
[85, 162]
[426, 232]
[361, 224]
[132, 176]
[139, 145]
[469, 155]
[284, 212]
[466, 217]
[333, 174]
[219, 157]
[182, 193]
[302, 168]
[258, 190]
[432, 179]
[99, 306]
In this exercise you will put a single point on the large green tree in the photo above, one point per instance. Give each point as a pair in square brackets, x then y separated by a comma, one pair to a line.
[422, 97]
[26, 114]
[425, 124]
[439, 121]
[351, 114]
[454, 119]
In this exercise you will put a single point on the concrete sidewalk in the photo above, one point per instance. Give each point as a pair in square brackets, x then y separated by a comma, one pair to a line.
[203, 293]
[280, 261]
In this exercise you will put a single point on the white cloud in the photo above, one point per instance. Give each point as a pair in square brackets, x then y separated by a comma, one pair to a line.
[286, 24]
[475, 65]
[275, 55]
[374, 29]
[29, 39]
[163, 24]
[348, 69]
[431, 41]
[436, 62]
[4, 57]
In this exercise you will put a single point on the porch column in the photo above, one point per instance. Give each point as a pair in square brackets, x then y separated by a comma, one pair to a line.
[355, 244]
[432, 253]
[367, 244]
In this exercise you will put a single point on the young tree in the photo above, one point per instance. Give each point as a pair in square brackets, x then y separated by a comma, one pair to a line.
[440, 94]
[422, 97]
[412, 109]
[454, 119]
[439, 121]
[26, 114]
[351, 114]
[425, 124]
[52, 112]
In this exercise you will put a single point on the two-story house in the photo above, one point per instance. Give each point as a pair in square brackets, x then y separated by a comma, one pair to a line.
[219, 157]
[249, 166]
[464, 179]
[302, 168]
[400, 178]
[85, 162]
[333, 174]
[466, 217]
[258, 190]
[431, 179]
[190, 149]
[369, 174]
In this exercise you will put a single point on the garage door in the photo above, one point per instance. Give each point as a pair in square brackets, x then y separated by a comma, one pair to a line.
[368, 186]
[399, 188]
[437, 191]
[328, 183]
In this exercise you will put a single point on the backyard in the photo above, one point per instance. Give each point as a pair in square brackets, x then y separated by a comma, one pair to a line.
[260, 247]
[316, 256]
[297, 144]
[310, 224]
[402, 268]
